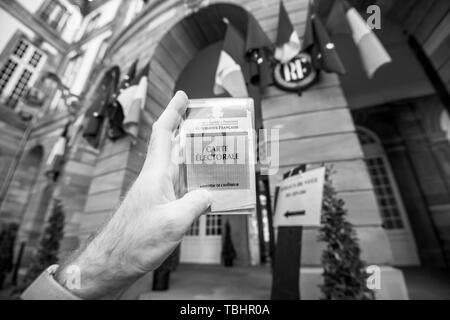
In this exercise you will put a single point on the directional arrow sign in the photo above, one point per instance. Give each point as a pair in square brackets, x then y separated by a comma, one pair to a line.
[293, 214]
[299, 200]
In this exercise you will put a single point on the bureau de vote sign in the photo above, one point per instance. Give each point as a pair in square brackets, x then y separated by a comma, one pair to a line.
[300, 199]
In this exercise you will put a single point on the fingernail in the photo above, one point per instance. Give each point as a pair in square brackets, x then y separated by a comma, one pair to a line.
[181, 93]
[207, 195]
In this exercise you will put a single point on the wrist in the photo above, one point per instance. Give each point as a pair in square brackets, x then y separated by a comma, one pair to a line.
[91, 275]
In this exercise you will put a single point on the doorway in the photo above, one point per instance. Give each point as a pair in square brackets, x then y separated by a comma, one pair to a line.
[203, 242]
[186, 58]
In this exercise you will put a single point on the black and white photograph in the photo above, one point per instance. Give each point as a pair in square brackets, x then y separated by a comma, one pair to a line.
[225, 151]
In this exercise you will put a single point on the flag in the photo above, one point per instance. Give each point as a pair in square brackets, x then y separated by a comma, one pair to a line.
[288, 42]
[318, 43]
[95, 118]
[258, 48]
[346, 19]
[115, 119]
[132, 101]
[130, 76]
[229, 75]
[55, 159]
[115, 110]
[96, 114]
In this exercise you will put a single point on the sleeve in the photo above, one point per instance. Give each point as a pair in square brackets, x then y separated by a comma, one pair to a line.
[45, 287]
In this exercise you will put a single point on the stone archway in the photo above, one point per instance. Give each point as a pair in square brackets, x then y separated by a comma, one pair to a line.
[182, 42]
[175, 49]
[175, 53]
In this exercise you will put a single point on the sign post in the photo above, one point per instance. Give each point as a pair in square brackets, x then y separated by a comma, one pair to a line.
[298, 203]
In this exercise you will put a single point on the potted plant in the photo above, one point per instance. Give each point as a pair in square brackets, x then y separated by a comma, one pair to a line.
[228, 251]
[7, 240]
[48, 250]
[344, 276]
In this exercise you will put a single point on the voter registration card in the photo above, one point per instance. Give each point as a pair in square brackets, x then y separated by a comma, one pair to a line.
[218, 143]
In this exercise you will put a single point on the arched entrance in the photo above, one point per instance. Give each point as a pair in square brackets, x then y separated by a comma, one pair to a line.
[186, 59]
[393, 215]
[203, 243]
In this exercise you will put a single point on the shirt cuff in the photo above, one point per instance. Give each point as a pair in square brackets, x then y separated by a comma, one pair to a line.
[45, 287]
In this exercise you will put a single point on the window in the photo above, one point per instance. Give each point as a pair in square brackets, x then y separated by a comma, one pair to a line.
[366, 139]
[21, 49]
[19, 89]
[6, 73]
[383, 182]
[213, 225]
[47, 10]
[56, 17]
[195, 229]
[208, 226]
[35, 59]
[54, 14]
[385, 194]
[19, 71]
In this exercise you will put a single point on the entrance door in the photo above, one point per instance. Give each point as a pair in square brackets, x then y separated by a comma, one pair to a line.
[203, 242]
[393, 214]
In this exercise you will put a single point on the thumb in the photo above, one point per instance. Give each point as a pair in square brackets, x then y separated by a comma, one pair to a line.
[193, 204]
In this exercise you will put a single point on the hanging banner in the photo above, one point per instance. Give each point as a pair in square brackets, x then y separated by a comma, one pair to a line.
[300, 199]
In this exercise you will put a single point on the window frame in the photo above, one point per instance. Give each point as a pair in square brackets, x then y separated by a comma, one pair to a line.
[46, 11]
[206, 227]
[374, 151]
[12, 86]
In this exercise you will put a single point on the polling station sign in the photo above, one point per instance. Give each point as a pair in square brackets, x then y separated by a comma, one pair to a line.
[300, 198]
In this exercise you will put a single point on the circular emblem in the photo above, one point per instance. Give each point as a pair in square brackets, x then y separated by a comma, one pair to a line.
[295, 75]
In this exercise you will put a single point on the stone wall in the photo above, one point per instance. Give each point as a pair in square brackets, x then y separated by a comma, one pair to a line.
[11, 131]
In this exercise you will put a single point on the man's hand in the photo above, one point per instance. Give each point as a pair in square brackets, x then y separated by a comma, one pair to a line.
[149, 224]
